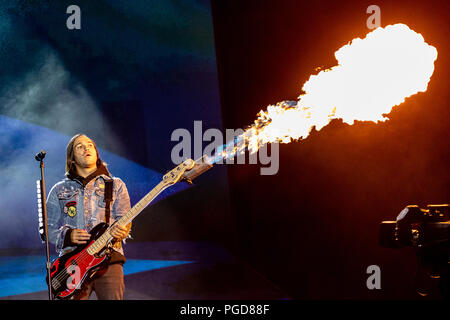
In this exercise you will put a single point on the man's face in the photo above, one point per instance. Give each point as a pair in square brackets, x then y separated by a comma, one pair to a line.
[84, 152]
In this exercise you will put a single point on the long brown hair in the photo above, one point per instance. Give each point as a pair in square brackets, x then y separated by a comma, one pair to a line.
[70, 158]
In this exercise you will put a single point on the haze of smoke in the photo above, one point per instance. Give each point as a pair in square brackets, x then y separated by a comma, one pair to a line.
[48, 96]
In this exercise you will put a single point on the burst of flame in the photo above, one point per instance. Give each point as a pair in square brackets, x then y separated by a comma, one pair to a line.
[373, 75]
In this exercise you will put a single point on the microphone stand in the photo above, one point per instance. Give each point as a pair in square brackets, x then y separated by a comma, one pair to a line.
[40, 157]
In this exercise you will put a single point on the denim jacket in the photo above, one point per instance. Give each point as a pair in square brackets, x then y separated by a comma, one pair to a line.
[70, 205]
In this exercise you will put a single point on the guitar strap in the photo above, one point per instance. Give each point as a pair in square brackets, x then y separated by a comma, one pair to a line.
[108, 199]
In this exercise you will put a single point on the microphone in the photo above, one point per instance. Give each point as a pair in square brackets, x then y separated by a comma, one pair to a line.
[41, 155]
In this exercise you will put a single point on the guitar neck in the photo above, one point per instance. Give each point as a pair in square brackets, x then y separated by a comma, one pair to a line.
[142, 204]
[103, 240]
[170, 178]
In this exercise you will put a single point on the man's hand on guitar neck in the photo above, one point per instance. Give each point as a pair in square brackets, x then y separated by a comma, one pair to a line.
[120, 232]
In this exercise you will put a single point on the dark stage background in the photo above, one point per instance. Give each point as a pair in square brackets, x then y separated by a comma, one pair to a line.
[138, 70]
[313, 227]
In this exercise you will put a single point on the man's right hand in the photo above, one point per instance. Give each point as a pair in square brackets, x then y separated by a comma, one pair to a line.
[79, 236]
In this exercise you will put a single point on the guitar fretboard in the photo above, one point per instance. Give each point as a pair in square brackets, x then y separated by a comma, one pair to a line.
[103, 240]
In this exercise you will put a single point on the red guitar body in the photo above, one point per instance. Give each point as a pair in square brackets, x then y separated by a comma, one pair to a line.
[69, 272]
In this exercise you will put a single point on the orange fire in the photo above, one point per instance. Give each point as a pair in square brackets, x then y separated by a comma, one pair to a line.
[373, 75]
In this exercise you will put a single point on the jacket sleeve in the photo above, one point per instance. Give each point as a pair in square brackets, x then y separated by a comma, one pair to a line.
[56, 231]
[122, 202]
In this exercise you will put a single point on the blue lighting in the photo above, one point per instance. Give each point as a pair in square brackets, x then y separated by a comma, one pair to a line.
[26, 274]
[19, 218]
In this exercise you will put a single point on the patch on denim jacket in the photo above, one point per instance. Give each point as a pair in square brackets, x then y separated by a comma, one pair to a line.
[71, 208]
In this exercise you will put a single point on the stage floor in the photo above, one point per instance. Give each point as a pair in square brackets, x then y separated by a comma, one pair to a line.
[154, 271]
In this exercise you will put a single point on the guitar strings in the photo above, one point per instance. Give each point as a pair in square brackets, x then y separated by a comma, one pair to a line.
[64, 274]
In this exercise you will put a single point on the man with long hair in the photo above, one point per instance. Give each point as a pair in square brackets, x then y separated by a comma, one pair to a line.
[77, 204]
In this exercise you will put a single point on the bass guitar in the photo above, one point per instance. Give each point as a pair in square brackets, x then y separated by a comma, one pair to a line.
[69, 272]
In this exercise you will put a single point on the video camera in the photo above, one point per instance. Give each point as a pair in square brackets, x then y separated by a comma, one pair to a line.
[427, 231]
